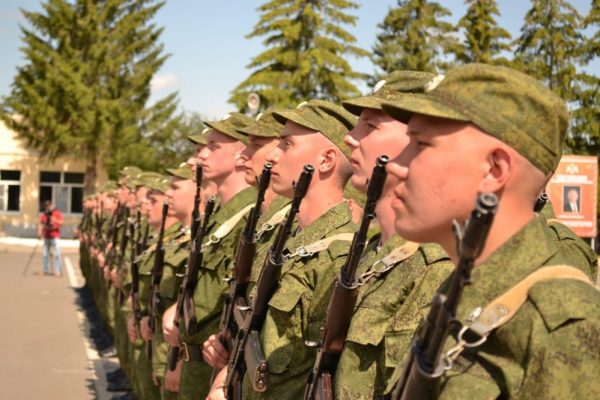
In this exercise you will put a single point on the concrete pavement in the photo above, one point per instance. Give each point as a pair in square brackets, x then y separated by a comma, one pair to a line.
[45, 349]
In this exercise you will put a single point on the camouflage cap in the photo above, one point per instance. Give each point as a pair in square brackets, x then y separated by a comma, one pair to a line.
[332, 120]
[109, 187]
[183, 171]
[129, 170]
[230, 124]
[390, 89]
[158, 183]
[200, 138]
[505, 103]
[266, 126]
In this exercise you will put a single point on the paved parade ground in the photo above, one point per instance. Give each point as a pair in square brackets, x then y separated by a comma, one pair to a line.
[46, 353]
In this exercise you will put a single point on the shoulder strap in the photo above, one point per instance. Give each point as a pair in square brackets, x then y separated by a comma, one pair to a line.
[319, 245]
[275, 220]
[226, 227]
[505, 306]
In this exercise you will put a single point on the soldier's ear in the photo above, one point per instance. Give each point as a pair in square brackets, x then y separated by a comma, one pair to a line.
[498, 167]
[329, 158]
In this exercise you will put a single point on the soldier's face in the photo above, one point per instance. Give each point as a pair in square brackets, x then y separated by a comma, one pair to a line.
[255, 156]
[181, 198]
[297, 147]
[123, 194]
[376, 134]
[155, 203]
[132, 200]
[195, 158]
[220, 157]
[109, 204]
[140, 194]
[438, 176]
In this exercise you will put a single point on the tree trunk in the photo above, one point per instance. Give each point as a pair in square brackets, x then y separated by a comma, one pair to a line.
[91, 173]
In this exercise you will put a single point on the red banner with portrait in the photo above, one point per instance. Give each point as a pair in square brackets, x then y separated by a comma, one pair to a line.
[573, 191]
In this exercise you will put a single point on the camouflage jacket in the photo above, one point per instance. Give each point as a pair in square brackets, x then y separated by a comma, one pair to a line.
[386, 315]
[147, 264]
[298, 307]
[549, 348]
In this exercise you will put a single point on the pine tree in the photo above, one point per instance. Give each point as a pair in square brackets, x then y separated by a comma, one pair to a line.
[484, 39]
[414, 37]
[550, 44]
[551, 47]
[307, 46]
[585, 117]
[84, 88]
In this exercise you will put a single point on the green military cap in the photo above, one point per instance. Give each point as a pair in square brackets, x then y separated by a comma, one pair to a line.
[230, 124]
[200, 138]
[183, 171]
[507, 104]
[330, 119]
[158, 183]
[129, 170]
[389, 89]
[266, 126]
[109, 186]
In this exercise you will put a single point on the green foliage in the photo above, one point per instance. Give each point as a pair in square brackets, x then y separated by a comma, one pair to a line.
[306, 46]
[552, 47]
[484, 40]
[414, 37]
[86, 81]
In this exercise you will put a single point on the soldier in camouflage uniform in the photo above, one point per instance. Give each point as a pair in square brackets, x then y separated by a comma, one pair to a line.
[493, 129]
[181, 201]
[313, 134]
[263, 137]
[143, 384]
[222, 164]
[381, 328]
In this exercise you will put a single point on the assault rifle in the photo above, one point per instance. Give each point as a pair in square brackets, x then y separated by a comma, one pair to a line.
[196, 217]
[246, 250]
[157, 270]
[343, 299]
[135, 270]
[185, 307]
[421, 377]
[540, 202]
[247, 354]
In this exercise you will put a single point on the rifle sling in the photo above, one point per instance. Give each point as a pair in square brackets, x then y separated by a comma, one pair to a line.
[320, 245]
[226, 227]
[505, 306]
[274, 221]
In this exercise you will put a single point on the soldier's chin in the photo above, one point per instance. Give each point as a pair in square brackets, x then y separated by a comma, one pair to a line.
[359, 182]
[282, 189]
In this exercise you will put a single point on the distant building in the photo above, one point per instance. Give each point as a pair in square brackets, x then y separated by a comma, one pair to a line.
[26, 181]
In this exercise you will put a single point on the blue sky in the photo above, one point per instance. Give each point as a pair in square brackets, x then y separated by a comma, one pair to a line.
[209, 52]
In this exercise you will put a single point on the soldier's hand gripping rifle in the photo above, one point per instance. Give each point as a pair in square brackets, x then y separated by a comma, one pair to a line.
[426, 366]
[246, 353]
[343, 299]
[185, 307]
[246, 250]
[157, 270]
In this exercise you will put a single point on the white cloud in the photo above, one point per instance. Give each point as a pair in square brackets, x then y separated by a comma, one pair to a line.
[166, 81]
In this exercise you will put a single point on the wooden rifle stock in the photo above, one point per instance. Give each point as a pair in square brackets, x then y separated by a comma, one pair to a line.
[246, 351]
[345, 293]
[159, 258]
[188, 285]
[246, 250]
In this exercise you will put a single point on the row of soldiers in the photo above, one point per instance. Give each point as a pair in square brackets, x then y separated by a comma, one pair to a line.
[247, 271]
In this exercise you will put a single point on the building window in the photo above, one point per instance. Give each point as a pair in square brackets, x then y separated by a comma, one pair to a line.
[10, 190]
[63, 189]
